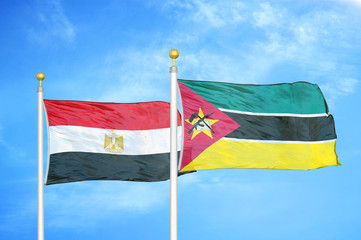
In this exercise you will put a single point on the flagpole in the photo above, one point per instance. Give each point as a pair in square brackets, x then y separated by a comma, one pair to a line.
[40, 76]
[173, 148]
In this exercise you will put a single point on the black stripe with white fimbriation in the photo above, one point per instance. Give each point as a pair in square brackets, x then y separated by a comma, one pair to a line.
[283, 128]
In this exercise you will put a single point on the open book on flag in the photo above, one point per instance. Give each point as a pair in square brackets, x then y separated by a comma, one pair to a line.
[108, 141]
[281, 126]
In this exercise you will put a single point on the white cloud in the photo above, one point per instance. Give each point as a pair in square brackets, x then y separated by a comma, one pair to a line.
[304, 34]
[336, 88]
[352, 2]
[343, 86]
[268, 16]
[85, 204]
[207, 65]
[348, 85]
[52, 24]
[215, 14]
[218, 15]
[305, 41]
[132, 76]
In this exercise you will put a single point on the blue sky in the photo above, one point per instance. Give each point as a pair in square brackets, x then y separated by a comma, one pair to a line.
[117, 51]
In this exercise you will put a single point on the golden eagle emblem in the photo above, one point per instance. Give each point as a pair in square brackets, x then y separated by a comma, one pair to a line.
[113, 143]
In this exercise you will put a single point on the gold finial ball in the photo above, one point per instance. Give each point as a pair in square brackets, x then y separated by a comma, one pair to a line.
[40, 76]
[173, 53]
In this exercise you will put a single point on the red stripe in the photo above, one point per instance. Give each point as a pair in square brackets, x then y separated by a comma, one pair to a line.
[120, 116]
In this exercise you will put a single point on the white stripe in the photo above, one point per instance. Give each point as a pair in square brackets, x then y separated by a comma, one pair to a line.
[85, 139]
[276, 114]
[277, 141]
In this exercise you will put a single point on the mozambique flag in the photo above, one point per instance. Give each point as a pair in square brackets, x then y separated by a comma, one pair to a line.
[280, 126]
[108, 141]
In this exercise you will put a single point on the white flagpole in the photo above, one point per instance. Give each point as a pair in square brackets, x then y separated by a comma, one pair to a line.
[173, 148]
[40, 76]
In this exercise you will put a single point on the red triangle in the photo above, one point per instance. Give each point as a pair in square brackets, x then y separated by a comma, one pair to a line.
[191, 103]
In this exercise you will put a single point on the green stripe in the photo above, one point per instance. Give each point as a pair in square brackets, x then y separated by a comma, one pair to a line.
[295, 98]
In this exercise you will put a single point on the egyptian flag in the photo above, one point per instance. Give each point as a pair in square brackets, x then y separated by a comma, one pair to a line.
[108, 141]
[281, 126]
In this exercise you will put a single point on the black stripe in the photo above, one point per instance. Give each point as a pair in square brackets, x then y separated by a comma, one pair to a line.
[283, 128]
[82, 166]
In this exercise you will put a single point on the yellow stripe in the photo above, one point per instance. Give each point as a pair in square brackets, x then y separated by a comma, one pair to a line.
[292, 156]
